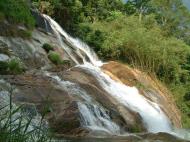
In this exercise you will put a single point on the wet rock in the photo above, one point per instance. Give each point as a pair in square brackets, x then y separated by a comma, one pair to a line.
[41, 22]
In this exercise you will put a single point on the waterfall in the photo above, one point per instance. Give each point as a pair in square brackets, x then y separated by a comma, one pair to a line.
[153, 117]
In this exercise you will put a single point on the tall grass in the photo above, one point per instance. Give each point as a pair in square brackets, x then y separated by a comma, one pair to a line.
[17, 126]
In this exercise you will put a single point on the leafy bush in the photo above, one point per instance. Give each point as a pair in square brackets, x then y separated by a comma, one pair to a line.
[47, 47]
[55, 58]
[187, 96]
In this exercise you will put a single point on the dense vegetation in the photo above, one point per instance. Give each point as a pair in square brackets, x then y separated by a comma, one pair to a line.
[152, 35]
[16, 12]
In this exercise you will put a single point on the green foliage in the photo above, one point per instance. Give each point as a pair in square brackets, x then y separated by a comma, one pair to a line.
[11, 67]
[47, 47]
[55, 58]
[17, 12]
[17, 126]
[15, 67]
[187, 96]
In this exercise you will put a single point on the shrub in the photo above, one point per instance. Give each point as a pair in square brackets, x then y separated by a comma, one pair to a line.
[55, 58]
[15, 67]
[187, 96]
[47, 47]
[11, 67]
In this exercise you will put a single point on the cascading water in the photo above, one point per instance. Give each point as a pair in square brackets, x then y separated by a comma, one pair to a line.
[93, 115]
[80, 48]
[153, 117]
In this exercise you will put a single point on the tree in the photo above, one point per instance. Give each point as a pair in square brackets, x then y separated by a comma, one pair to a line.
[139, 7]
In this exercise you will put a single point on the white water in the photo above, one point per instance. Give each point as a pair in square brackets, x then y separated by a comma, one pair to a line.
[93, 115]
[153, 117]
[81, 49]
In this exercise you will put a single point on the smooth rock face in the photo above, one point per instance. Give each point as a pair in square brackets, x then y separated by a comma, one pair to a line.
[4, 57]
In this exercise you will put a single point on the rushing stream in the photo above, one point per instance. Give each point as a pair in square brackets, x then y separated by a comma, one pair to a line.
[93, 115]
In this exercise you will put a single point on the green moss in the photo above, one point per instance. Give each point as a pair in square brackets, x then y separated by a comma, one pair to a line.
[47, 47]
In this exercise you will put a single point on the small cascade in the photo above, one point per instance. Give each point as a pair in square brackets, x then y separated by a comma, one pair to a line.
[69, 44]
[93, 115]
